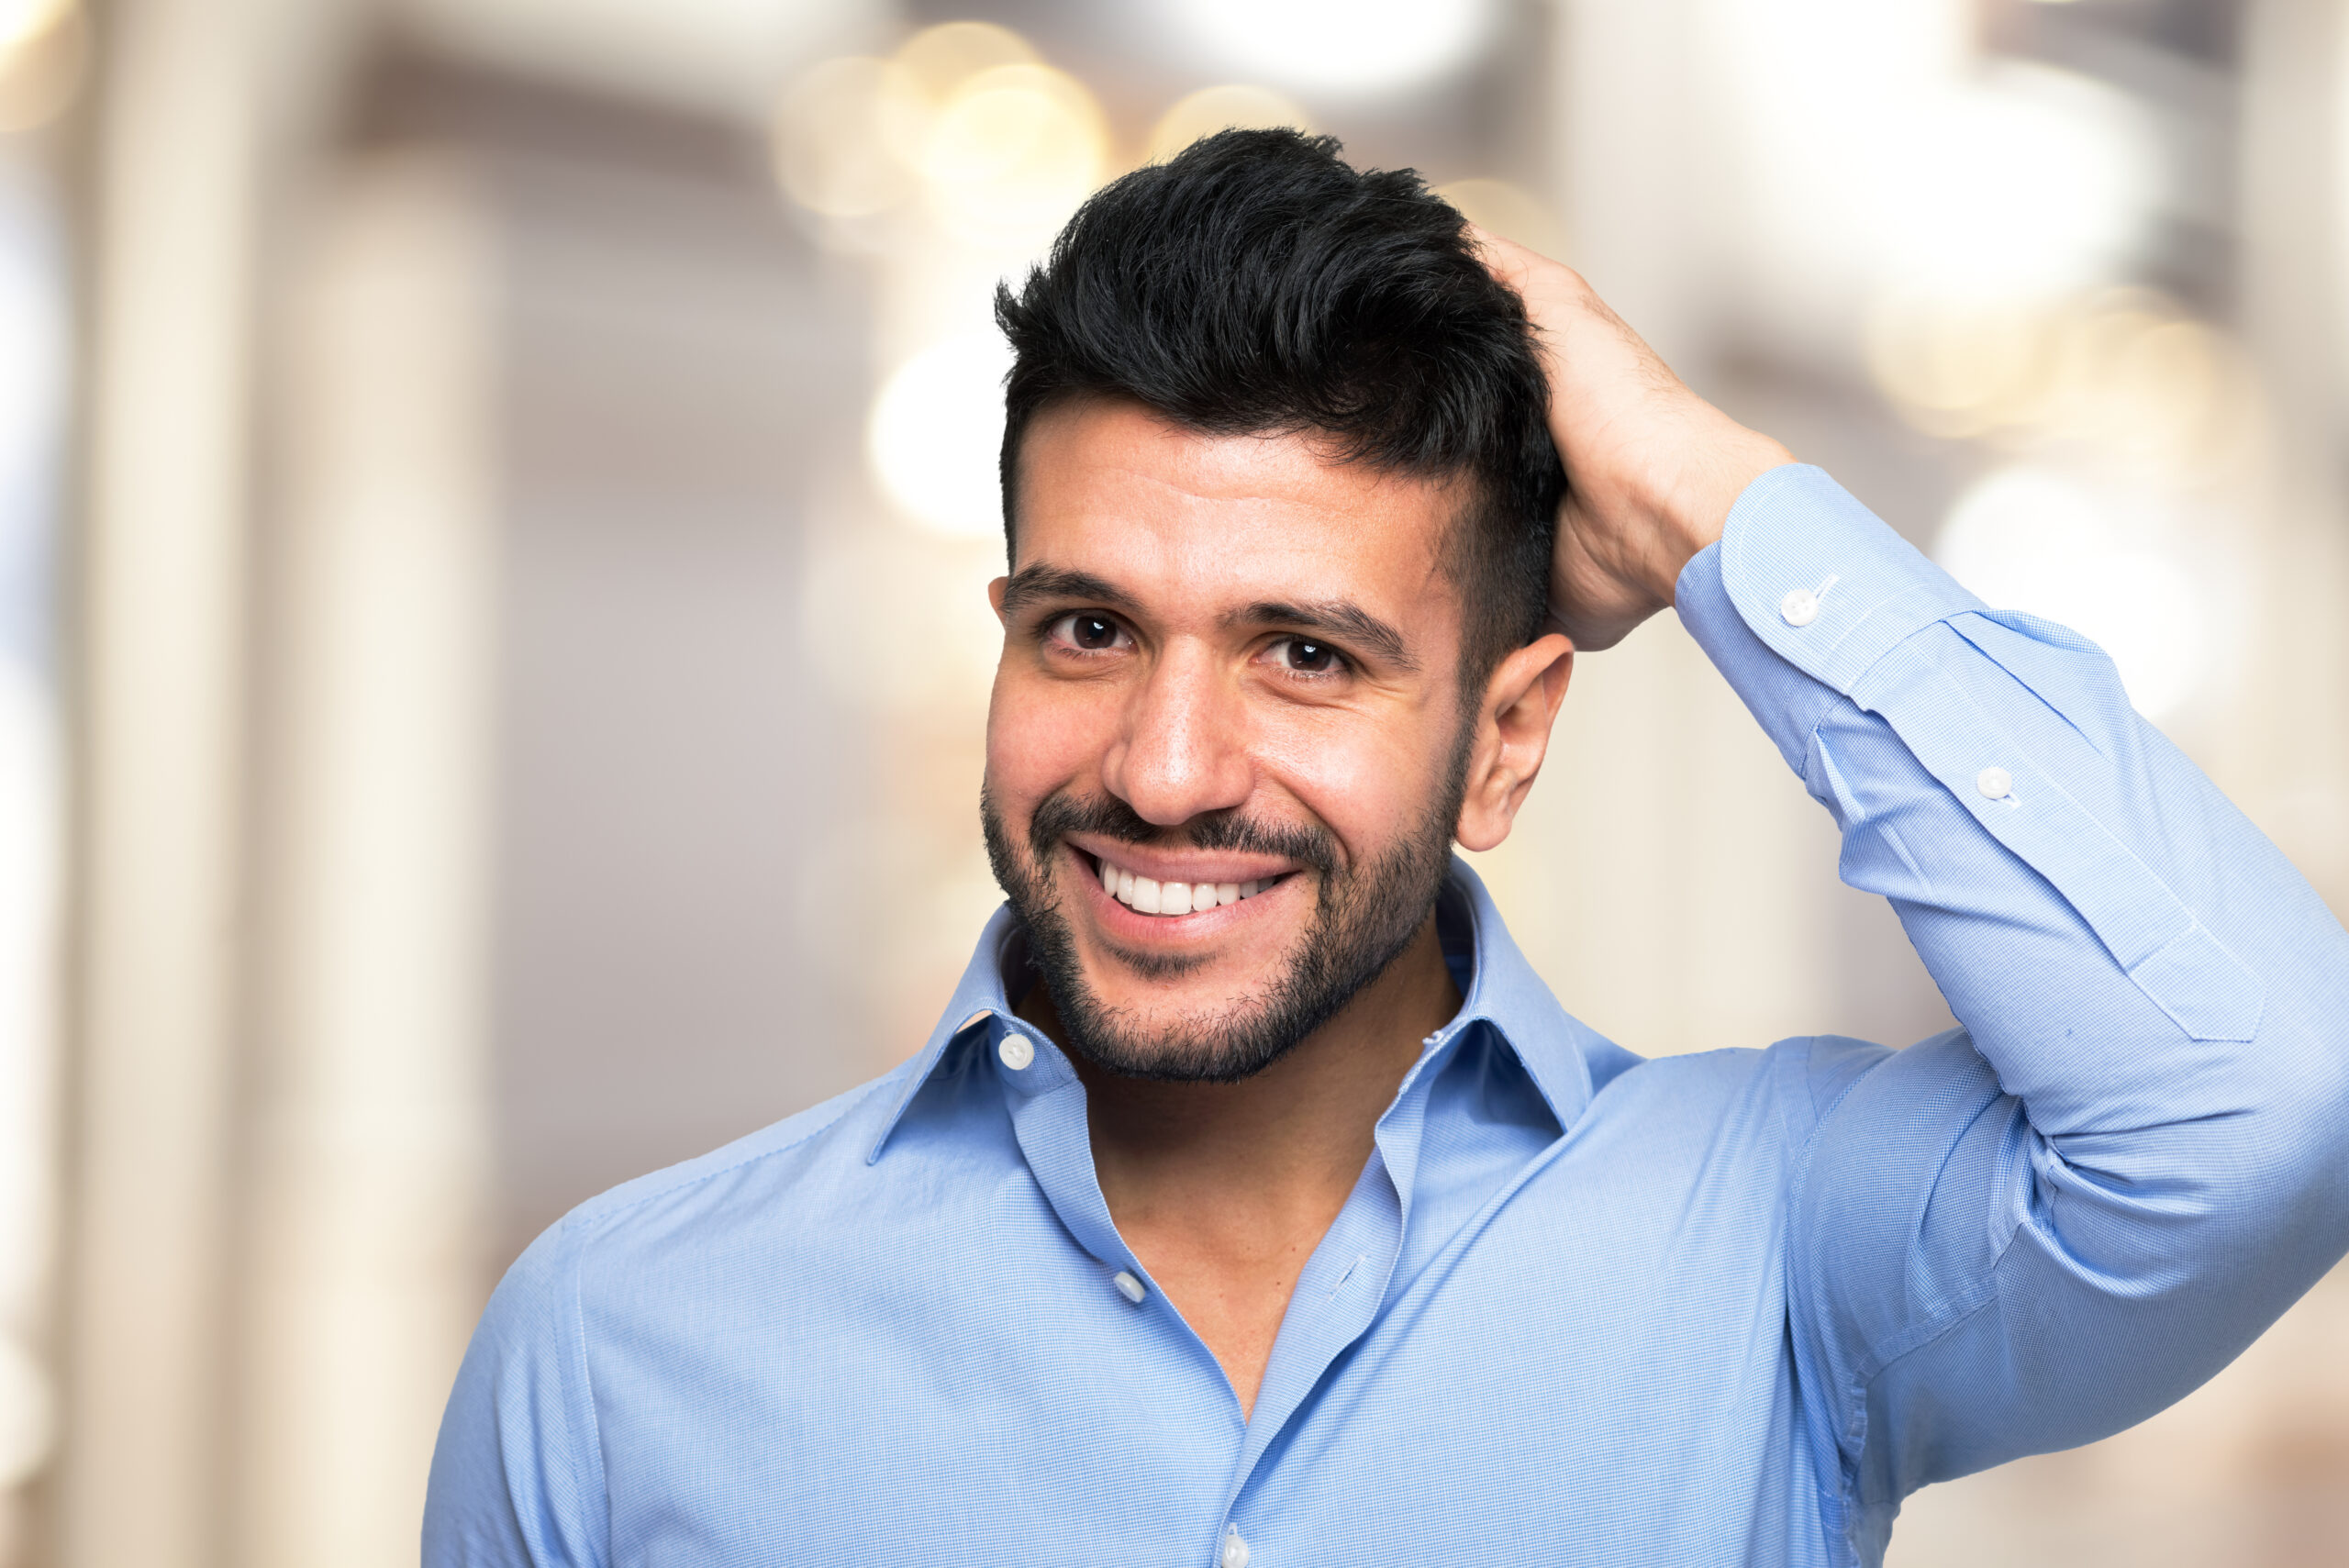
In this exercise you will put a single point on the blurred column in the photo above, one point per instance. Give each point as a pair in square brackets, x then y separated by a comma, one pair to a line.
[2285, 754]
[197, 98]
[160, 711]
[367, 1151]
[34, 338]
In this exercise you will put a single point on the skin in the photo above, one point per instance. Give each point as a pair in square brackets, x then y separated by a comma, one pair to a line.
[1342, 716]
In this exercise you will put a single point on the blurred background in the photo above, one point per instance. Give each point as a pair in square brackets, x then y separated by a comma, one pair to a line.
[494, 503]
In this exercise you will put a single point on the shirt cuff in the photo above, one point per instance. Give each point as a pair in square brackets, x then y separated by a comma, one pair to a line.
[1803, 593]
[1804, 589]
[1822, 581]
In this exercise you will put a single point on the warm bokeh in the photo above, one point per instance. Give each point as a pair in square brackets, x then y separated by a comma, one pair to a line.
[495, 499]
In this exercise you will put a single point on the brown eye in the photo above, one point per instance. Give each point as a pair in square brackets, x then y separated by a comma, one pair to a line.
[1091, 633]
[1305, 657]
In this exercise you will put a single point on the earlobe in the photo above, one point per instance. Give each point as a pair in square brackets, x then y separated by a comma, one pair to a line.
[1513, 727]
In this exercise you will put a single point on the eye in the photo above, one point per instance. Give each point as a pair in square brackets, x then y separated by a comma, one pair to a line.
[1303, 656]
[1088, 633]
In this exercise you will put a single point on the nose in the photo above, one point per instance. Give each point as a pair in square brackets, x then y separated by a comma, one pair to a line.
[1182, 749]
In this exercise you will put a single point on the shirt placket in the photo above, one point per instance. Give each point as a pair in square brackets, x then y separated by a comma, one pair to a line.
[1344, 1285]
[1337, 1297]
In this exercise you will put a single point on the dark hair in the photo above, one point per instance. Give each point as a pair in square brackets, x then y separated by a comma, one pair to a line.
[1254, 284]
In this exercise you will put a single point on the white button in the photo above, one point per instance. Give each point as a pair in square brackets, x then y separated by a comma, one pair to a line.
[1129, 1286]
[1235, 1550]
[1996, 783]
[1800, 607]
[1016, 1052]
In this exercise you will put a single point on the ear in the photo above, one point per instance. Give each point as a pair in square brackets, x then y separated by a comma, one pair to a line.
[1513, 723]
[995, 595]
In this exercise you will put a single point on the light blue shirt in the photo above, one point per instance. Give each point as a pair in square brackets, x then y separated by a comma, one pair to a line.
[1581, 1307]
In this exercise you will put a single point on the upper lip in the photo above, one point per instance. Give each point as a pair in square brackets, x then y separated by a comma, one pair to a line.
[1163, 865]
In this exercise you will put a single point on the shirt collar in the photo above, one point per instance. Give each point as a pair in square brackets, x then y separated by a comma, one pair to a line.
[1503, 991]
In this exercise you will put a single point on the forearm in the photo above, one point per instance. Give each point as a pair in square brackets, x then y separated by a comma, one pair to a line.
[2096, 912]
[2160, 999]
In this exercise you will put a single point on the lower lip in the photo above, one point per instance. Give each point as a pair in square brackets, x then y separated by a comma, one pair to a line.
[1127, 921]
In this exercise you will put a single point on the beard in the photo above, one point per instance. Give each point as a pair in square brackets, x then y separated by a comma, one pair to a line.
[1364, 917]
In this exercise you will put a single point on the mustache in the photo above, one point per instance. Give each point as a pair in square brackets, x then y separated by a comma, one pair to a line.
[1061, 813]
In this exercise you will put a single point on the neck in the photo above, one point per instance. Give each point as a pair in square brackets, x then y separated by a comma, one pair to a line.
[1223, 1190]
[1304, 1123]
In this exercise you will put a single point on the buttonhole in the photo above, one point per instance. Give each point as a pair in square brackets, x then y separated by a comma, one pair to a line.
[1359, 1259]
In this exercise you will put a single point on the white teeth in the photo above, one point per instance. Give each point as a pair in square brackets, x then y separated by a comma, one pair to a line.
[1152, 897]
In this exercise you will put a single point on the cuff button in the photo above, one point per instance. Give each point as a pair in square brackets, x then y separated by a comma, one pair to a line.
[1800, 607]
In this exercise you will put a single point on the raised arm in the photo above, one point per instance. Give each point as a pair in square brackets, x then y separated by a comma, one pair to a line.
[2134, 1154]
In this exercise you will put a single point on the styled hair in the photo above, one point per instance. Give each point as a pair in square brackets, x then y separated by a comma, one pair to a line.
[1256, 284]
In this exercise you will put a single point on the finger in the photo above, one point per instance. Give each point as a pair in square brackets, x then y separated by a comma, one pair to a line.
[1505, 259]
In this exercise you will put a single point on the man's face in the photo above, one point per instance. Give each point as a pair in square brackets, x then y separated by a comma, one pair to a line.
[1229, 666]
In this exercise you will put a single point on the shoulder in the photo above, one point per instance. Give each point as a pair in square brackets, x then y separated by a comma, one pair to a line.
[814, 1141]
[789, 1175]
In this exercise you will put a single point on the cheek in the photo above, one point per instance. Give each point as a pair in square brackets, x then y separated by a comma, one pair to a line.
[1044, 734]
[1367, 778]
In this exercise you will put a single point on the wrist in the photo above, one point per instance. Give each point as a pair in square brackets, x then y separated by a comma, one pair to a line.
[1691, 512]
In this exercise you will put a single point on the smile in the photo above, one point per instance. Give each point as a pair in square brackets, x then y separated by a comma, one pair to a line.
[1147, 896]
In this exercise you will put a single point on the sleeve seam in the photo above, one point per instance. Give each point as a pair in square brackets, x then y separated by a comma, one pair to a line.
[1924, 1336]
[587, 1225]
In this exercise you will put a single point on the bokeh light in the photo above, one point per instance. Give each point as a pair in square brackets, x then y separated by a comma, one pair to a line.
[2125, 375]
[1212, 109]
[1000, 147]
[1012, 152]
[2039, 541]
[936, 429]
[21, 21]
[943, 58]
[2022, 181]
[1956, 369]
[44, 58]
[1511, 211]
[836, 133]
[1340, 46]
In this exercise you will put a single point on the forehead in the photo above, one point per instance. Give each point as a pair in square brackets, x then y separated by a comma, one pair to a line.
[1107, 486]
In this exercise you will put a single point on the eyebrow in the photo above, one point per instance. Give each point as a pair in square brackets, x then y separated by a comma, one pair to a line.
[1033, 583]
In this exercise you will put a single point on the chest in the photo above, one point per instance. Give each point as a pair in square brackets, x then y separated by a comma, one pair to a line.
[1596, 1370]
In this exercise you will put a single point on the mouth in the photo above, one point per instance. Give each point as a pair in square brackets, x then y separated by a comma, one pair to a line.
[1169, 900]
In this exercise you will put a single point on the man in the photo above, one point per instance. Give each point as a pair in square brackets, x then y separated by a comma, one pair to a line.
[1253, 1202]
